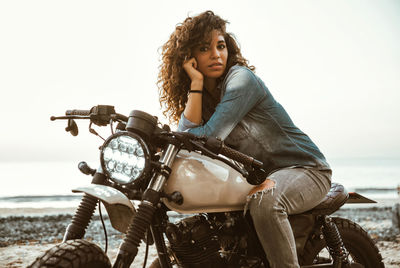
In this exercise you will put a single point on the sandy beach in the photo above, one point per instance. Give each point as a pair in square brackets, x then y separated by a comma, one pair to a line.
[26, 233]
[32, 231]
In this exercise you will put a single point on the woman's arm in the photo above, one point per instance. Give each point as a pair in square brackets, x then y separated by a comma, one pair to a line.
[193, 109]
[242, 92]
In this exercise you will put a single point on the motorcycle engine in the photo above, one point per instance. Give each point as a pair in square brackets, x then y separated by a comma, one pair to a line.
[195, 243]
[212, 240]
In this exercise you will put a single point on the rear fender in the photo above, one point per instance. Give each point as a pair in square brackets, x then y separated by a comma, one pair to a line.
[119, 208]
[357, 198]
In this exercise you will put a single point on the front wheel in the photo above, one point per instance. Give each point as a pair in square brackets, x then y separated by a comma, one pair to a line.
[76, 253]
[358, 243]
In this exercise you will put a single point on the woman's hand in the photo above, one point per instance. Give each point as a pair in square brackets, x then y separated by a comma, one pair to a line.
[190, 67]
[193, 109]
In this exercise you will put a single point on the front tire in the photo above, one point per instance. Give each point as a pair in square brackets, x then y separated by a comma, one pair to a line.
[76, 253]
[358, 243]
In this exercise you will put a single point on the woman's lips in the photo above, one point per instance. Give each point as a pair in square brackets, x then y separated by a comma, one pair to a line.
[216, 66]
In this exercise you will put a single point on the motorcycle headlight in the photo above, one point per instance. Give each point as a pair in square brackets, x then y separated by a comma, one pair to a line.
[125, 157]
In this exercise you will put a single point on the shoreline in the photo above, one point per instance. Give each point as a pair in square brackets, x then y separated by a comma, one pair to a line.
[35, 212]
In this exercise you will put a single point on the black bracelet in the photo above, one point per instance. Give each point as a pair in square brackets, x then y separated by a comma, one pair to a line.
[195, 91]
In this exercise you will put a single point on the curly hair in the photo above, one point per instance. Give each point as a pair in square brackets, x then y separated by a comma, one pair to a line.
[173, 82]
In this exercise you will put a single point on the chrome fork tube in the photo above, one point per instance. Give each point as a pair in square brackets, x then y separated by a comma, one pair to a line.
[167, 159]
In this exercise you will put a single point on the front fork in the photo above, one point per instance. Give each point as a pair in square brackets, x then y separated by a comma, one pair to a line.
[142, 219]
[84, 213]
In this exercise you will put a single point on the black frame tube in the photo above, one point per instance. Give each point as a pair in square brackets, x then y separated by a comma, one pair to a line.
[157, 233]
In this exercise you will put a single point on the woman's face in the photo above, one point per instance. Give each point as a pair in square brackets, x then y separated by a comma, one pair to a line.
[212, 57]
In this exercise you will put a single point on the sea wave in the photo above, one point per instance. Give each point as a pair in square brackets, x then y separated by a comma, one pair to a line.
[40, 201]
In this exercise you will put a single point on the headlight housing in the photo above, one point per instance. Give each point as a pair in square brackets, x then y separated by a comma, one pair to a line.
[125, 157]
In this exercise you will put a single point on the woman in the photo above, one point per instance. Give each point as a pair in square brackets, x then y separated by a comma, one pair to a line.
[207, 86]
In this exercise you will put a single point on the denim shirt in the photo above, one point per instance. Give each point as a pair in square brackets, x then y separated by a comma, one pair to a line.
[249, 119]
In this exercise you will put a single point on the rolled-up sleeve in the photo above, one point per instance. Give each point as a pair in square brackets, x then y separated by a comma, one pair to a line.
[185, 124]
[242, 92]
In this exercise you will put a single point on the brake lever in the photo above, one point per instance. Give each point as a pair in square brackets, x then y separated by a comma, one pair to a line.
[53, 118]
[72, 127]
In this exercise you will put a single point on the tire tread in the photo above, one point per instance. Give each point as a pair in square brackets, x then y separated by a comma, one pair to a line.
[74, 254]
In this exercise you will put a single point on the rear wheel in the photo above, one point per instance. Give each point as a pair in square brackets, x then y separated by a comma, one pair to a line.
[358, 243]
[73, 254]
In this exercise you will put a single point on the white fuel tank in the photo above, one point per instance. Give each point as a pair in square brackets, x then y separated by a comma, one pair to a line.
[207, 185]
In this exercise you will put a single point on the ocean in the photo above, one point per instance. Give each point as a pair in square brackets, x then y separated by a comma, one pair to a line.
[49, 184]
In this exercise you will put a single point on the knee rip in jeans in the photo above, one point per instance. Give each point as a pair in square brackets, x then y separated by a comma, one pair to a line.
[260, 193]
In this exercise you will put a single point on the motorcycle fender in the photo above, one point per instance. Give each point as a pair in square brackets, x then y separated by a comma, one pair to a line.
[357, 198]
[119, 208]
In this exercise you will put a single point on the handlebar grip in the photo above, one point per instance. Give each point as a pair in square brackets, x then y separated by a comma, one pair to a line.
[238, 156]
[77, 112]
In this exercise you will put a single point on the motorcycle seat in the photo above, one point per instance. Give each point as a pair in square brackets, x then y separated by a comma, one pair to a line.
[334, 199]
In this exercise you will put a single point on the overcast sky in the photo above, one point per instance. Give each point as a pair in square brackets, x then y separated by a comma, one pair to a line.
[334, 66]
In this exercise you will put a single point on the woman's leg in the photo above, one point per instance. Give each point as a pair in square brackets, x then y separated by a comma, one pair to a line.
[295, 190]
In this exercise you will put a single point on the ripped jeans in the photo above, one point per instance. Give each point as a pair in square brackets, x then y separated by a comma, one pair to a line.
[296, 190]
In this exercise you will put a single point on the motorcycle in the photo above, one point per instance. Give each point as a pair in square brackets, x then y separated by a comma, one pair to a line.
[147, 170]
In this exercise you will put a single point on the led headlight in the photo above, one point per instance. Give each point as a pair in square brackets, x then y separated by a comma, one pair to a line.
[125, 157]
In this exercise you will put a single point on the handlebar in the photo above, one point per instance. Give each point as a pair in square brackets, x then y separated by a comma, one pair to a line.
[102, 115]
[240, 157]
[218, 146]
[99, 115]
[255, 173]
[78, 112]
[212, 147]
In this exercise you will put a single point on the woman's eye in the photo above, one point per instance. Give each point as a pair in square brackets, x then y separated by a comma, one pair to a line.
[203, 49]
[221, 46]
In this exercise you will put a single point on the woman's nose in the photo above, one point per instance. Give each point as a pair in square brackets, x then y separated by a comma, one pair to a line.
[215, 53]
